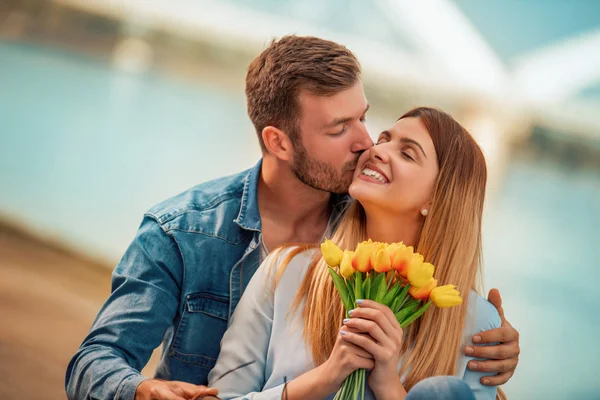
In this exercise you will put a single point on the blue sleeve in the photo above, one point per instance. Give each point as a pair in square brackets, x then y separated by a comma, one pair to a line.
[144, 300]
[240, 371]
[482, 316]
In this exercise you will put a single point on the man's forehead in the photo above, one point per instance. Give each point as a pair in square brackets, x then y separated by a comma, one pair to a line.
[348, 103]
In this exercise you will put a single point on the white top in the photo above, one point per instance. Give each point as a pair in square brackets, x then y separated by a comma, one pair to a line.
[265, 343]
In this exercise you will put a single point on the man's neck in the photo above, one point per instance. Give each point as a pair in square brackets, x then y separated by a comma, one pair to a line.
[290, 210]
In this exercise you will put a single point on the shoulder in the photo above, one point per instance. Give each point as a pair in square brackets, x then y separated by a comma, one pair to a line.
[481, 315]
[192, 209]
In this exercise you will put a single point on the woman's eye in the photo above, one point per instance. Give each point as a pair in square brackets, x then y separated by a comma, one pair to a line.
[408, 156]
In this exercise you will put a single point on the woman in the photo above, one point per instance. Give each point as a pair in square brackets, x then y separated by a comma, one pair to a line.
[423, 183]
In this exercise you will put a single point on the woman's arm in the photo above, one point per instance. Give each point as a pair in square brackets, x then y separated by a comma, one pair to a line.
[242, 368]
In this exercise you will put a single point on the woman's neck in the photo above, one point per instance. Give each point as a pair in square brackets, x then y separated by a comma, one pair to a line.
[383, 227]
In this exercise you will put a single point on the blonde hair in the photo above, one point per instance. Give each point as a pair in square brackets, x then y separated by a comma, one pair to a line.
[449, 238]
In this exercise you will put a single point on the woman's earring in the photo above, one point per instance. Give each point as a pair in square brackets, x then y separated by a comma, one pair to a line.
[424, 212]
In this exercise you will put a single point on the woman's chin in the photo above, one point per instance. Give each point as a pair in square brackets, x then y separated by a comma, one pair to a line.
[361, 193]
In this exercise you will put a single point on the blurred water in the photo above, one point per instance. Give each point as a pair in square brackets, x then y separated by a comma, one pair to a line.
[85, 150]
[541, 248]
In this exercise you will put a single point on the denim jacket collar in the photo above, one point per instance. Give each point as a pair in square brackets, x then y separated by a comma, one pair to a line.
[249, 216]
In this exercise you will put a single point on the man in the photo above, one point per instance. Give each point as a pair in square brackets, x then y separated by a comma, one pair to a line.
[194, 254]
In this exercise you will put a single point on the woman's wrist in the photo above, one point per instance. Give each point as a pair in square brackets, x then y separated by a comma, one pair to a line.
[327, 379]
[316, 384]
[389, 389]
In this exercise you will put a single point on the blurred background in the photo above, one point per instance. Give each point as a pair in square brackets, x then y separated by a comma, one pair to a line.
[110, 106]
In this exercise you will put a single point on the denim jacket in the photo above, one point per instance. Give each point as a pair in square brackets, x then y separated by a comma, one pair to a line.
[178, 283]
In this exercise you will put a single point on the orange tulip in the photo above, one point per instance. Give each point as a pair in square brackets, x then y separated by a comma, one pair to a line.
[420, 273]
[423, 292]
[361, 261]
[381, 261]
[401, 259]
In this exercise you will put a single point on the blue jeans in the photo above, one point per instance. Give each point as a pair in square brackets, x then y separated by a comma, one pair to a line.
[441, 388]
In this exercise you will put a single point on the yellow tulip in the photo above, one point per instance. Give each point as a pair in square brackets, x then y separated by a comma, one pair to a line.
[381, 262]
[401, 259]
[331, 253]
[445, 296]
[423, 292]
[420, 274]
[346, 269]
[392, 248]
[361, 261]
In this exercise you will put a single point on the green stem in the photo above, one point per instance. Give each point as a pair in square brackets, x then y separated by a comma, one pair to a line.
[391, 280]
[363, 383]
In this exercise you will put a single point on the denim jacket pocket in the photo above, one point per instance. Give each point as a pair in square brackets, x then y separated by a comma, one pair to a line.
[200, 330]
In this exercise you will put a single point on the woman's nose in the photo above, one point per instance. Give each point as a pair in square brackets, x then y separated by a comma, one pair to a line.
[379, 154]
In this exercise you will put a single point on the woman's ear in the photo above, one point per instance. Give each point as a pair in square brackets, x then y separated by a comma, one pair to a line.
[278, 143]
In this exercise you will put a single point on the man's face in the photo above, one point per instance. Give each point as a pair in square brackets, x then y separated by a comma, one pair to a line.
[332, 137]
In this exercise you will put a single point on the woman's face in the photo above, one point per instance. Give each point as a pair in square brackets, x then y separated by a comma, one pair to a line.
[398, 174]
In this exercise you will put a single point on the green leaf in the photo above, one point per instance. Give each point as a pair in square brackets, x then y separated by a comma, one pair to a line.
[379, 288]
[410, 302]
[351, 299]
[401, 298]
[358, 294]
[404, 312]
[410, 319]
[367, 286]
[390, 296]
[341, 287]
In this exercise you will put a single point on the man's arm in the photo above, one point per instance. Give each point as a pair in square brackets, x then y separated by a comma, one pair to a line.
[144, 300]
[503, 357]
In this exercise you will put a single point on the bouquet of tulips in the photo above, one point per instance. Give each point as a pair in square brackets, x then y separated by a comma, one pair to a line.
[390, 274]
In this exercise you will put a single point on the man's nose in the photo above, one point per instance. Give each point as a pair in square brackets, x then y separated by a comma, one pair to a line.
[363, 140]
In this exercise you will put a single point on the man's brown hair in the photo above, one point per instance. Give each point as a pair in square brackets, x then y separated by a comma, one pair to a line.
[288, 66]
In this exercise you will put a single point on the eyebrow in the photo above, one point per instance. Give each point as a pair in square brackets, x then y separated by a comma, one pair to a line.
[343, 120]
[405, 140]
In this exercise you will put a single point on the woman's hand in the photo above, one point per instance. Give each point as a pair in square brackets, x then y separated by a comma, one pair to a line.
[328, 377]
[344, 359]
[374, 328]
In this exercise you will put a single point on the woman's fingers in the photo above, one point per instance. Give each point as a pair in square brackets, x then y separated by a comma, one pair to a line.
[352, 348]
[364, 342]
[378, 313]
[383, 309]
[360, 325]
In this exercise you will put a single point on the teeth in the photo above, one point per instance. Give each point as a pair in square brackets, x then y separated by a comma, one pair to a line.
[373, 174]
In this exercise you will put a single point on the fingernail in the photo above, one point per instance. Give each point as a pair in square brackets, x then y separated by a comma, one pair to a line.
[343, 333]
[476, 339]
[350, 312]
[473, 365]
[486, 381]
[360, 301]
[469, 350]
[346, 320]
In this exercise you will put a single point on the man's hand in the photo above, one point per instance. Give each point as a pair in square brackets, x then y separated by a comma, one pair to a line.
[503, 357]
[156, 389]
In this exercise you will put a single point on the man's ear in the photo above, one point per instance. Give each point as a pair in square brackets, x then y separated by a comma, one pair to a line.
[278, 143]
